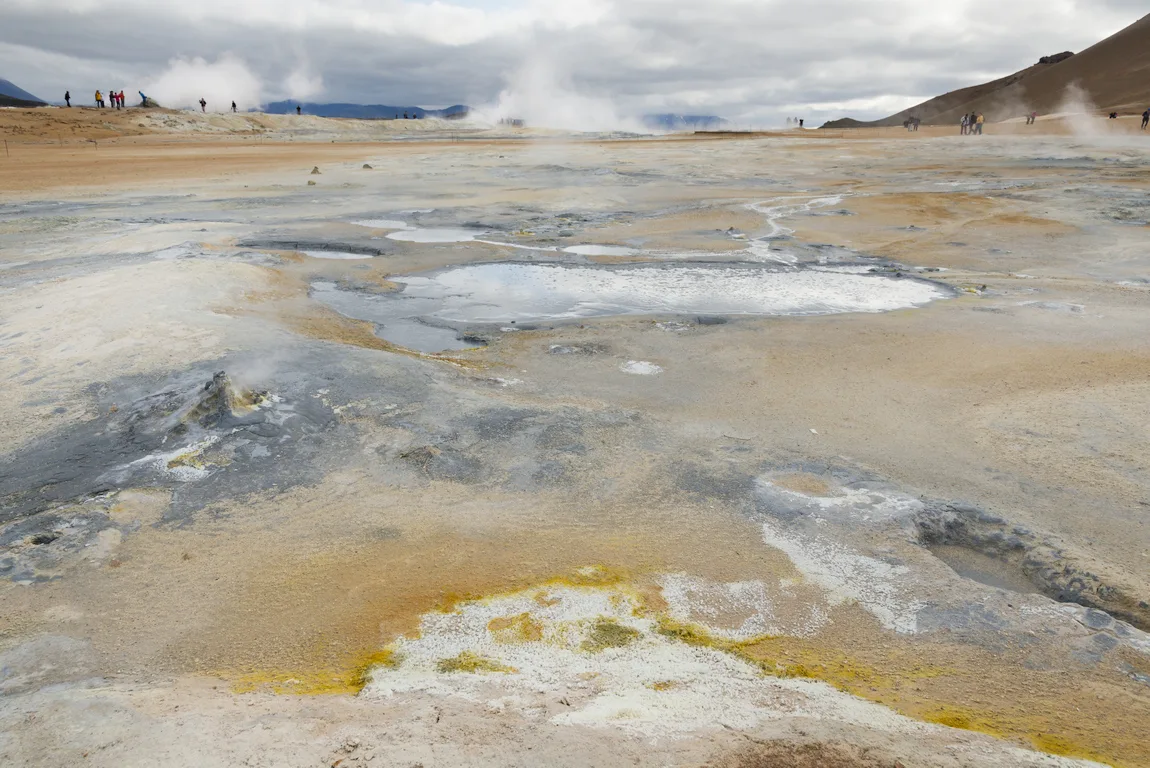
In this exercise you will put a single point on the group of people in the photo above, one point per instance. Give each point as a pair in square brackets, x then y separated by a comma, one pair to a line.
[795, 121]
[117, 99]
[972, 124]
[912, 123]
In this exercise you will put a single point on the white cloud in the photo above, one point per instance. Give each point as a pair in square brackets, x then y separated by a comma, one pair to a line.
[745, 59]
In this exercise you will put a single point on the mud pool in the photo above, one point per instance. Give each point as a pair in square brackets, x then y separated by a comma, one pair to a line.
[690, 452]
[424, 311]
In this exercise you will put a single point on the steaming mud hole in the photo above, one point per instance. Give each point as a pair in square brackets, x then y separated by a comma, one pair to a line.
[382, 439]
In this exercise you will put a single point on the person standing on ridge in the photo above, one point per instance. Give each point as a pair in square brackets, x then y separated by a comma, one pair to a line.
[99, 99]
[233, 106]
[67, 98]
[121, 97]
[203, 105]
[298, 109]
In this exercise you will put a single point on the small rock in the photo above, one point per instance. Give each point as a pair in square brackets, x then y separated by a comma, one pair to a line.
[366, 167]
[315, 171]
[311, 183]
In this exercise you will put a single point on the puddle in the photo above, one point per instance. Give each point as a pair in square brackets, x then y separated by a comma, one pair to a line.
[434, 235]
[504, 293]
[396, 320]
[984, 569]
[640, 368]
[601, 250]
[337, 255]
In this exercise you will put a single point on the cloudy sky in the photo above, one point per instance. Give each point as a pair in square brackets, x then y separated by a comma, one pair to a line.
[753, 61]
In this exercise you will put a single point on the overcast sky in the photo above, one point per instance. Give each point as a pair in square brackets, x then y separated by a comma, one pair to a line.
[753, 61]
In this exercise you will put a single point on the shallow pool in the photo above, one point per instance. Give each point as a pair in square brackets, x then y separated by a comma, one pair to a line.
[451, 300]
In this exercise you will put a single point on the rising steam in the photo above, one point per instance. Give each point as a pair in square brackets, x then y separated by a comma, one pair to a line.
[226, 79]
[1080, 112]
[546, 97]
[302, 85]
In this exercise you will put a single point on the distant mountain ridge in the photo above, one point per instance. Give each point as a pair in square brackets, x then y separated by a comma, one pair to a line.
[365, 111]
[11, 95]
[660, 122]
[1114, 75]
[671, 122]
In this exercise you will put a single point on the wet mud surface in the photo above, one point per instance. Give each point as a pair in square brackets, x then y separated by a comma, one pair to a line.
[528, 440]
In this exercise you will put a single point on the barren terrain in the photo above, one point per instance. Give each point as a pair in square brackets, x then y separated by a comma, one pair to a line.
[281, 486]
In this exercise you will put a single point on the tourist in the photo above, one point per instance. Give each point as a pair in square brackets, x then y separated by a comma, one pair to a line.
[963, 124]
[99, 99]
[298, 109]
[233, 106]
[978, 121]
[143, 99]
[68, 100]
[1145, 119]
[203, 105]
[122, 104]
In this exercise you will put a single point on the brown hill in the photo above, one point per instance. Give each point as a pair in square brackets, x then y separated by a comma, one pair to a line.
[1113, 76]
[10, 101]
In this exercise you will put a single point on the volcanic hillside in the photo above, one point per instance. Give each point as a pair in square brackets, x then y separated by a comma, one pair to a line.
[12, 95]
[1113, 75]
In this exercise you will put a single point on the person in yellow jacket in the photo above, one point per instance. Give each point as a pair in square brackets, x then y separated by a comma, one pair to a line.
[99, 99]
[978, 121]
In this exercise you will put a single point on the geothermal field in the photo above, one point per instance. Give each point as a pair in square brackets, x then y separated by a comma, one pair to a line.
[329, 443]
